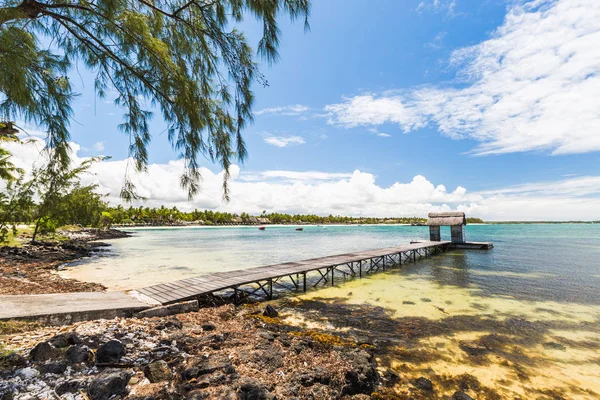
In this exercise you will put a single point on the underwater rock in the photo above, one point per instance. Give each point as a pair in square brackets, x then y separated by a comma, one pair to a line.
[461, 396]
[423, 383]
[472, 348]
[270, 312]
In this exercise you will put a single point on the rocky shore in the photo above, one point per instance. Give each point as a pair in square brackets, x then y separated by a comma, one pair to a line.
[30, 269]
[216, 353]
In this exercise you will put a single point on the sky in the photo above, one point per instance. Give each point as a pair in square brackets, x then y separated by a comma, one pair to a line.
[398, 108]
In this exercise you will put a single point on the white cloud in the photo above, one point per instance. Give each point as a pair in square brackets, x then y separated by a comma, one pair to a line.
[533, 85]
[99, 146]
[446, 6]
[295, 109]
[284, 141]
[352, 193]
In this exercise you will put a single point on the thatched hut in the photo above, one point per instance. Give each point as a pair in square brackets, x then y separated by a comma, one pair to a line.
[455, 220]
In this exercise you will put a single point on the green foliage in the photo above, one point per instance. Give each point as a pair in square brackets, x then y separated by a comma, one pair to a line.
[184, 58]
[62, 200]
[106, 219]
[471, 220]
[16, 205]
[163, 215]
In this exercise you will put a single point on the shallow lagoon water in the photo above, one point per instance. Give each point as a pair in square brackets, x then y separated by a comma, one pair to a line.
[519, 321]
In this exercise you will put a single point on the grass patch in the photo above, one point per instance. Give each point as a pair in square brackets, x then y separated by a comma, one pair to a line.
[16, 326]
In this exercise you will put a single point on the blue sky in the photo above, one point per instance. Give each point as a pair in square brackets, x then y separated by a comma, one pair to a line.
[466, 94]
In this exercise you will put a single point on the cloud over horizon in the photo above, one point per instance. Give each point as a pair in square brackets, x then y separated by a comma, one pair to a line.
[353, 193]
[533, 85]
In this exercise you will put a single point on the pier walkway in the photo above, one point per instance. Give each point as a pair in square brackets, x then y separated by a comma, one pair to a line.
[262, 279]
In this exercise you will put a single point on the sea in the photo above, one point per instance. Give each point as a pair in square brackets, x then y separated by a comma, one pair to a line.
[521, 320]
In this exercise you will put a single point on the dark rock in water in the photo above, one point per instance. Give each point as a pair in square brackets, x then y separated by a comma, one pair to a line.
[408, 302]
[65, 340]
[554, 346]
[56, 367]
[78, 353]
[423, 383]
[270, 312]
[461, 396]
[250, 390]
[111, 383]
[42, 352]
[208, 326]
[12, 360]
[67, 387]
[363, 378]
[425, 300]
[472, 348]
[110, 352]
[390, 378]
[158, 371]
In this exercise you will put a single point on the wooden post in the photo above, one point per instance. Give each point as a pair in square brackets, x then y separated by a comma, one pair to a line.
[270, 289]
[332, 269]
[360, 269]
[235, 295]
[304, 283]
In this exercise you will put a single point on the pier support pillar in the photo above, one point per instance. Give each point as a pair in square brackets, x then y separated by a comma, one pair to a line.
[434, 234]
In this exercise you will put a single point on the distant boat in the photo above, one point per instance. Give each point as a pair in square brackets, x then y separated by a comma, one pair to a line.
[262, 228]
[299, 229]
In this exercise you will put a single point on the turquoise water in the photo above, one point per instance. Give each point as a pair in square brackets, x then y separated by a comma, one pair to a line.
[529, 308]
[537, 261]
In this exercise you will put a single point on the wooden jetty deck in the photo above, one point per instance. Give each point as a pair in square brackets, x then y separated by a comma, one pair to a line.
[262, 279]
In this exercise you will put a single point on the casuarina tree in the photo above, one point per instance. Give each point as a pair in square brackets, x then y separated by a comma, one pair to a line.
[184, 59]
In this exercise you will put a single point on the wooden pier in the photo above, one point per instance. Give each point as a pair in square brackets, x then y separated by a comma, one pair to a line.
[261, 280]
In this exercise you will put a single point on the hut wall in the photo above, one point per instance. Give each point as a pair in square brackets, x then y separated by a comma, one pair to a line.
[434, 234]
[457, 232]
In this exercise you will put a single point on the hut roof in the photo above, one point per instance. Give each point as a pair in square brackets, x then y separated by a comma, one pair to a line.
[449, 218]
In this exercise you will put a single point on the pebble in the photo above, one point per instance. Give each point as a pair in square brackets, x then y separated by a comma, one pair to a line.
[27, 373]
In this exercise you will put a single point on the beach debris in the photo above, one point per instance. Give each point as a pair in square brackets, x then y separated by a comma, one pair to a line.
[270, 311]
[554, 346]
[441, 309]
[425, 300]
[412, 303]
